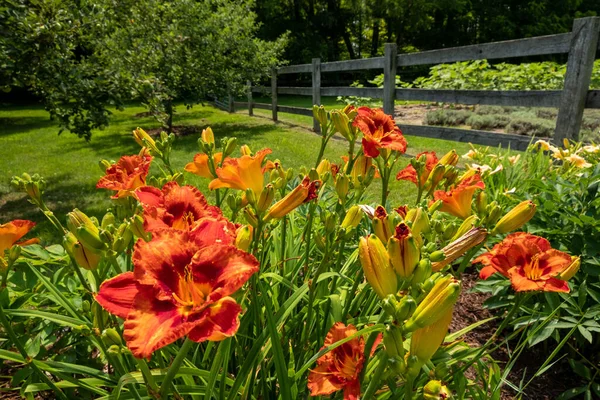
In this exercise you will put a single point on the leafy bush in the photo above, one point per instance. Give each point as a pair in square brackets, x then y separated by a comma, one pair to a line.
[487, 122]
[531, 127]
[444, 117]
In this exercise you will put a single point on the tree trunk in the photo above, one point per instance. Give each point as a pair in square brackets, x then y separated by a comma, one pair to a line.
[169, 110]
[375, 38]
[348, 42]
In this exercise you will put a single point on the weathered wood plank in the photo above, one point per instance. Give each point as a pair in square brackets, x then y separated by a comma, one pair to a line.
[295, 69]
[375, 93]
[316, 89]
[261, 89]
[485, 138]
[520, 98]
[353, 65]
[389, 78]
[552, 44]
[274, 94]
[295, 110]
[263, 106]
[577, 78]
[302, 91]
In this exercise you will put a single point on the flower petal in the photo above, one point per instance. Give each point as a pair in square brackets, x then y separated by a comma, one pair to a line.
[117, 295]
[321, 382]
[220, 321]
[12, 231]
[224, 268]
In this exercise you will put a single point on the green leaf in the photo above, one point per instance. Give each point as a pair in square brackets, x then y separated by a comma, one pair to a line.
[455, 335]
[585, 333]
[47, 316]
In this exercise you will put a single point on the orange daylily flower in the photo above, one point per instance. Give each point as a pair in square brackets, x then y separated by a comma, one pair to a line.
[340, 368]
[529, 261]
[410, 174]
[178, 207]
[303, 193]
[11, 232]
[200, 165]
[180, 286]
[242, 173]
[379, 131]
[458, 200]
[128, 174]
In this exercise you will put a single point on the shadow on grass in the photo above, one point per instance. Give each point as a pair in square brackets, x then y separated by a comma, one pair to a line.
[12, 125]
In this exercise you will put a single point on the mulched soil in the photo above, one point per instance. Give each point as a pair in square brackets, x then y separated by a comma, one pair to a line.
[178, 130]
[470, 309]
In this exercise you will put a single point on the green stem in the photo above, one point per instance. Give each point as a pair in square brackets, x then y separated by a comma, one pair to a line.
[376, 379]
[31, 362]
[174, 368]
[81, 277]
[408, 388]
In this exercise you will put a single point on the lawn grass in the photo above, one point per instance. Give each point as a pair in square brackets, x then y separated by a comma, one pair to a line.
[30, 143]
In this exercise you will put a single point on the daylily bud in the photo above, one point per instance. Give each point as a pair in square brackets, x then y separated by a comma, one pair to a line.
[466, 226]
[434, 390]
[245, 150]
[137, 227]
[304, 192]
[329, 221]
[433, 207]
[323, 167]
[13, 254]
[393, 342]
[84, 257]
[342, 185]
[383, 224]
[401, 211]
[352, 218]
[515, 218]
[425, 341]
[450, 158]
[250, 196]
[107, 219]
[320, 115]
[144, 140]
[399, 310]
[313, 175]
[319, 241]
[436, 304]
[571, 270]
[341, 122]
[85, 230]
[435, 177]
[266, 198]
[208, 136]
[229, 147]
[250, 217]
[460, 246]
[421, 272]
[437, 256]
[481, 202]
[403, 251]
[244, 237]
[104, 165]
[111, 337]
[376, 266]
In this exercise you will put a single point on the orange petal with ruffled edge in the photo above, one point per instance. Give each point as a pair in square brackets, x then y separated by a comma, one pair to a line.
[224, 269]
[116, 295]
[12, 231]
[178, 207]
[522, 283]
[549, 263]
[200, 165]
[161, 261]
[458, 200]
[219, 322]
[352, 390]
[128, 174]
[241, 173]
[209, 231]
[321, 382]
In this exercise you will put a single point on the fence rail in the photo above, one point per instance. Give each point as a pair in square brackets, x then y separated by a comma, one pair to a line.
[580, 44]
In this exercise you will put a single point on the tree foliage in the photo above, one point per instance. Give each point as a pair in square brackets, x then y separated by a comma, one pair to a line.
[81, 57]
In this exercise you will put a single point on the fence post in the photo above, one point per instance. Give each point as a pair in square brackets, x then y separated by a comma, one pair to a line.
[230, 105]
[250, 110]
[274, 93]
[389, 77]
[316, 88]
[582, 52]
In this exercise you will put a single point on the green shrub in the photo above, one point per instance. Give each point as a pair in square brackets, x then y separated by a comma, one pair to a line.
[446, 117]
[546, 113]
[531, 126]
[488, 122]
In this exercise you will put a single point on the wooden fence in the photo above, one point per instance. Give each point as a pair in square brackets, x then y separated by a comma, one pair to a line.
[580, 44]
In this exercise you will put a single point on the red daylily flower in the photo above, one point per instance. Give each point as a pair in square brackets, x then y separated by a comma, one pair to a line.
[128, 174]
[409, 173]
[180, 286]
[529, 261]
[458, 200]
[11, 232]
[178, 207]
[340, 368]
[379, 131]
